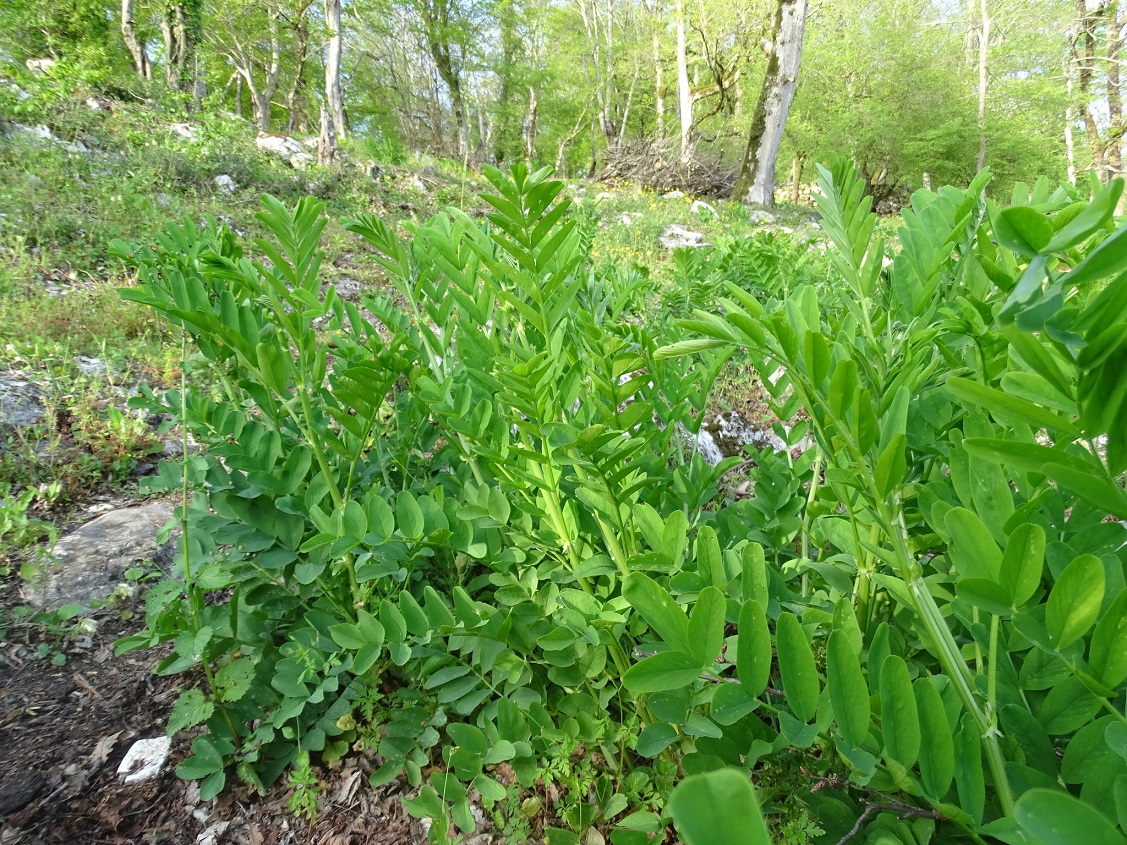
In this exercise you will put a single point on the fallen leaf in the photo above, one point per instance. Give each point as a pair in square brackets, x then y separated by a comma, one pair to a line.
[347, 790]
[102, 750]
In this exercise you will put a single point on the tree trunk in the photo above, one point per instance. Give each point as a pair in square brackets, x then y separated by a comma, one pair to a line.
[684, 93]
[1114, 153]
[796, 167]
[659, 93]
[1086, 63]
[332, 68]
[594, 151]
[132, 42]
[1069, 114]
[260, 98]
[438, 29]
[178, 47]
[530, 128]
[756, 183]
[327, 143]
[295, 118]
[561, 161]
[983, 55]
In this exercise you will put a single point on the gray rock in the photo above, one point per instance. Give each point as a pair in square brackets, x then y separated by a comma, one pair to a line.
[40, 132]
[90, 561]
[287, 148]
[19, 403]
[225, 183]
[760, 216]
[91, 366]
[678, 236]
[185, 130]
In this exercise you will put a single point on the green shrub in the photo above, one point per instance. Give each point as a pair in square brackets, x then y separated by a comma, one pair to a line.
[490, 498]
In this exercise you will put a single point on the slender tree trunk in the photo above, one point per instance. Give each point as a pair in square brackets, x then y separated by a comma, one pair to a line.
[983, 56]
[239, 95]
[796, 167]
[530, 128]
[594, 151]
[684, 93]
[1069, 114]
[561, 160]
[295, 119]
[659, 93]
[756, 183]
[1114, 95]
[332, 69]
[1086, 62]
[260, 97]
[626, 111]
[132, 42]
[178, 47]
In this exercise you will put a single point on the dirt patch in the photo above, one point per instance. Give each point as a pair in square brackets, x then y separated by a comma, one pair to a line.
[66, 729]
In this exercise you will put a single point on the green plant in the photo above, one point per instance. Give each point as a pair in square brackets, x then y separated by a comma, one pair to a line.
[970, 593]
[17, 529]
[473, 537]
[53, 627]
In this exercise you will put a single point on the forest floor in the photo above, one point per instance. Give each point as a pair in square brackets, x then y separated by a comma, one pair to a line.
[67, 728]
[69, 708]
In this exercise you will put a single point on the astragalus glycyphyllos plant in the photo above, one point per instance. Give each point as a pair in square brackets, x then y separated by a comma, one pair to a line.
[452, 496]
[466, 528]
[969, 407]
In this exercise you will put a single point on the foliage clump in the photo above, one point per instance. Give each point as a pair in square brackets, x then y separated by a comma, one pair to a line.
[471, 531]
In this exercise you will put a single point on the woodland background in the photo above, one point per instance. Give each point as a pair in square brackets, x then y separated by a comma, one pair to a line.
[906, 87]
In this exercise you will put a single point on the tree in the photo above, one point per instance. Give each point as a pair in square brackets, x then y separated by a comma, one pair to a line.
[335, 100]
[756, 182]
[441, 25]
[684, 93]
[258, 62]
[132, 42]
[180, 25]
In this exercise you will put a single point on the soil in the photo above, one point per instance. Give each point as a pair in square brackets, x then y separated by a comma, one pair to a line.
[65, 729]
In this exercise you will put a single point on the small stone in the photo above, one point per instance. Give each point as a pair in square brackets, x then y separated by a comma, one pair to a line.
[19, 403]
[184, 130]
[145, 759]
[91, 366]
[678, 236]
[700, 205]
[673, 195]
[225, 183]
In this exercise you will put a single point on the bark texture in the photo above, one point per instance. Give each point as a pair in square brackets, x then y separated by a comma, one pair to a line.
[132, 42]
[983, 79]
[756, 183]
[684, 92]
[332, 68]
